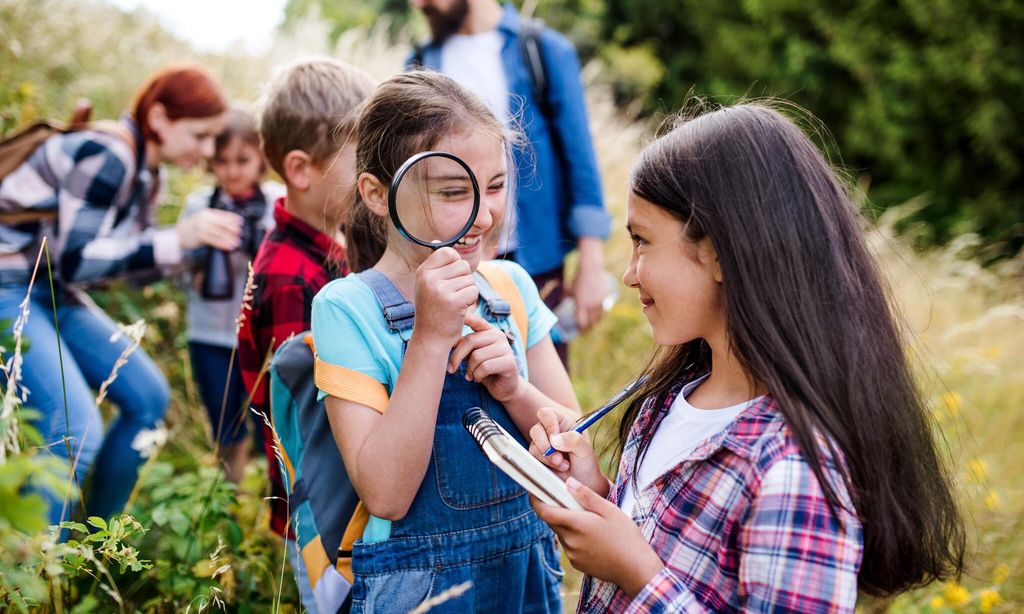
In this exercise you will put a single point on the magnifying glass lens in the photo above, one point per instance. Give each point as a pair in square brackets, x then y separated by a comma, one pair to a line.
[435, 200]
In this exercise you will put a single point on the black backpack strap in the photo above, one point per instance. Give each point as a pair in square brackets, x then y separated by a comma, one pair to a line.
[530, 29]
[416, 62]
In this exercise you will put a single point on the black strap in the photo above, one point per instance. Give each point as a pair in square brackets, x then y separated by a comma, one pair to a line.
[530, 29]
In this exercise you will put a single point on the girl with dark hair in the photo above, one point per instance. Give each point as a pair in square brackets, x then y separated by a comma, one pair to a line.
[779, 455]
[92, 194]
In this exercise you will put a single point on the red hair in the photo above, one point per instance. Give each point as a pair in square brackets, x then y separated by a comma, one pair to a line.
[185, 91]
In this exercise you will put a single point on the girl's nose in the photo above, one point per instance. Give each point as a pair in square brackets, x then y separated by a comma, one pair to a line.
[629, 275]
[485, 217]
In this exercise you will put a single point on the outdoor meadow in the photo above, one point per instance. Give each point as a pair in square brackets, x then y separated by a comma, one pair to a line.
[190, 541]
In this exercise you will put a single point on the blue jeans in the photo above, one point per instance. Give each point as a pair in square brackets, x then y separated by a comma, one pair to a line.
[210, 372]
[140, 392]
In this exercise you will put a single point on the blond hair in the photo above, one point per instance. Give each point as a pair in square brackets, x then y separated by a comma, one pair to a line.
[311, 106]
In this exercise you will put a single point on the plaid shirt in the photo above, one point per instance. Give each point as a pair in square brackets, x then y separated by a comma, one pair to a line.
[293, 263]
[741, 525]
[105, 198]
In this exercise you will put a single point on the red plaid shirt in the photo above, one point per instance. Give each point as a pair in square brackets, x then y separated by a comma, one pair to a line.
[293, 263]
[741, 524]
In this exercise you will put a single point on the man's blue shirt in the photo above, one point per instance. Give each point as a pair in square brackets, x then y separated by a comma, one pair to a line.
[559, 197]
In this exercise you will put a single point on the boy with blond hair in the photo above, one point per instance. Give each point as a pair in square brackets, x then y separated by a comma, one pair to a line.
[307, 120]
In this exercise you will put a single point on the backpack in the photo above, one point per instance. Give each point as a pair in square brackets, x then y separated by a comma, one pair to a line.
[326, 514]
[530, 29]
[17, 148]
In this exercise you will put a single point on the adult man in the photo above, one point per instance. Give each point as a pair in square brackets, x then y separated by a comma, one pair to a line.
[559, 200]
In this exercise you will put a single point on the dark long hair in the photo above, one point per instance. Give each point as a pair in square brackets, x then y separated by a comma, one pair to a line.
[810, 320]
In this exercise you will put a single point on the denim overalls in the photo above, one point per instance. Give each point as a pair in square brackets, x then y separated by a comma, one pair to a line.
[469, 522]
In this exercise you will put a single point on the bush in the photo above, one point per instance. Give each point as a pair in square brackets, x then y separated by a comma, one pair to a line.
[920, 96]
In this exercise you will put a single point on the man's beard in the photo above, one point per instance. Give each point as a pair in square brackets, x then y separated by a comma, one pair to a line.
[444, 24]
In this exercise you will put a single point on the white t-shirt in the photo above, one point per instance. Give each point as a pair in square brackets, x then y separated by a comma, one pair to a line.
[679, 434]
[474, 61]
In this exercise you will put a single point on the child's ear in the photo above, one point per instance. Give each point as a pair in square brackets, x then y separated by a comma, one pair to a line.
[707, 256]
[297, 168]
[373, 192]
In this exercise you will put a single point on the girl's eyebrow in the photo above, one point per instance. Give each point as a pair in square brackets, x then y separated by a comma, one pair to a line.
[441, 178]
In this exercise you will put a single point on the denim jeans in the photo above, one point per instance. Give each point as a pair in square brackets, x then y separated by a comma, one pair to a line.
[210, 372]
[88, 355]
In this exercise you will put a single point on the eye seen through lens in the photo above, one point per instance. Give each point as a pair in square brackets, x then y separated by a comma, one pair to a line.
[434, 199]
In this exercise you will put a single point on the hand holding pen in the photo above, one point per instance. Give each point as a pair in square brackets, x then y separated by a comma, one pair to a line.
[584, 423]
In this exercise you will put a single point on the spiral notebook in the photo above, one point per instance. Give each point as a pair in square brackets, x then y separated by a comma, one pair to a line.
[516, 461]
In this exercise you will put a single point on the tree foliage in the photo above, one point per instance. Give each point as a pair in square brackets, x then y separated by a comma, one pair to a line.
[918, 95]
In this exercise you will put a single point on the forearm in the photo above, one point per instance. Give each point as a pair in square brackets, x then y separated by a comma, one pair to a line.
[394, 456]
[523, 405]
[591, 253]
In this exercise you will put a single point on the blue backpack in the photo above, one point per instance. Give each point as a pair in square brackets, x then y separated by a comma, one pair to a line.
[321, 497]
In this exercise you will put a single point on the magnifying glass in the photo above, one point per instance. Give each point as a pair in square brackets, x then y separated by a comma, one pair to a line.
[434, 199]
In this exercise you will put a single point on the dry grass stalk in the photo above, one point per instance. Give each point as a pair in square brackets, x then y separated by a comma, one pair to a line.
[452, 593]
[15, 394]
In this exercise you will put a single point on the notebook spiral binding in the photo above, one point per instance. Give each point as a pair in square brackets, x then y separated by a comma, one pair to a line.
[480, 425]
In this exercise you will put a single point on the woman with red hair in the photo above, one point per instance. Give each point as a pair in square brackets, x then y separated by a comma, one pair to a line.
[93, 195]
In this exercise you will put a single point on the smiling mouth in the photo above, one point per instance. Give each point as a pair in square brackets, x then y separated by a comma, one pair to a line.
[468, 242]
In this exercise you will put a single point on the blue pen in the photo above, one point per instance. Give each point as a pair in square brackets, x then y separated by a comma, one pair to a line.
[584, 423]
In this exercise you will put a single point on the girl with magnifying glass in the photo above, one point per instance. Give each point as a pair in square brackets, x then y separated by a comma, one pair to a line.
[405, 347]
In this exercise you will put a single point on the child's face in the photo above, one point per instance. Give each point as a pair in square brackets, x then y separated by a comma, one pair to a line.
[485, 155]
[238, 166]
[679, 281]
[334, 184]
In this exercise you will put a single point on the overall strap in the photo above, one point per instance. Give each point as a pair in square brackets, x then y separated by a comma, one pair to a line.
[398, 311]
[495, 307]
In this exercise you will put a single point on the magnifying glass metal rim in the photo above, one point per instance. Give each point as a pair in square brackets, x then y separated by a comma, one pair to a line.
[396, 181]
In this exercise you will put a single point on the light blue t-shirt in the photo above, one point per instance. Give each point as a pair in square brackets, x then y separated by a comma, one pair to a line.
[349, 330]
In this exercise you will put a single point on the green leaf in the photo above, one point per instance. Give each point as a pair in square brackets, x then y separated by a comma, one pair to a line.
[97, 522]
[88, 604]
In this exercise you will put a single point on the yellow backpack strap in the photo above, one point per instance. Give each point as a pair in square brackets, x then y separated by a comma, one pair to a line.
[504, 285]
[354, 530]
[350, 385]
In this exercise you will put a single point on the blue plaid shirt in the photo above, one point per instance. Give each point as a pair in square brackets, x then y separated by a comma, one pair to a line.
[104, 198]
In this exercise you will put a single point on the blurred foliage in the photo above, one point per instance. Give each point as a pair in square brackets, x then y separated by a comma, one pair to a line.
[919, 95]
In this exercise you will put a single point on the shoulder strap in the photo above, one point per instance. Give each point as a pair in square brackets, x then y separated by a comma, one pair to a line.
[119, 130]
[416, 62]
[530, 29]
[398, 311]
[503, 284]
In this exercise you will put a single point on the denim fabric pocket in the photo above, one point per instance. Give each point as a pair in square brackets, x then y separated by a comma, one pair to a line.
[466, 479]
[551, 561]
[397, 592]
